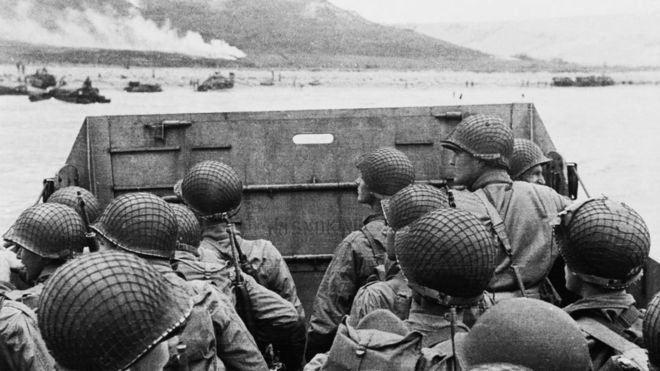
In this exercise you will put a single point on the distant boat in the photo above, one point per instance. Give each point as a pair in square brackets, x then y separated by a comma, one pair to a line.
[79, 96]
[16, 90]
[582, 81]
[137, 87]
[314, 83]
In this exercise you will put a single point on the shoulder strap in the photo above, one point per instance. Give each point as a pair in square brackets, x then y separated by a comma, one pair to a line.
[603, 334]
[500, 230]
[496, 219]
[372, 244]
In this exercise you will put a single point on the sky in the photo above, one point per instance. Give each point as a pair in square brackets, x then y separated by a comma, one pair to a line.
[459, 11]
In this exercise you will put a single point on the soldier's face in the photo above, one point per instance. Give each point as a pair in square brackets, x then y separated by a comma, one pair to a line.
[33, 264]
[533, 175]
[364, 195]
[466, 168]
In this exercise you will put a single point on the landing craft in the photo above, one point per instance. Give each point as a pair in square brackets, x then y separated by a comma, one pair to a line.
[297, 167]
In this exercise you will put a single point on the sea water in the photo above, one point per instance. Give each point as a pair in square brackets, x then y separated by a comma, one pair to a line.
[611, 132]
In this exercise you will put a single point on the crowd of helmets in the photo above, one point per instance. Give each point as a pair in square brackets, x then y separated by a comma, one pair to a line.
[439, 278]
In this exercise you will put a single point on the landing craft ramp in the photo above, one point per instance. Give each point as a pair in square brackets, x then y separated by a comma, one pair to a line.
[299, 191]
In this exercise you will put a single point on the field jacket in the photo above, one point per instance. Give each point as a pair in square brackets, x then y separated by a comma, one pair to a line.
[233, 343]
[530, 213]
[618, 312]
[354, 261]
[272, 271]
[21, 345]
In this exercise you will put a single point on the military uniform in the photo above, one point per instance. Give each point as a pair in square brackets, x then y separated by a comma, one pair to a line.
[271, 319]
[143, 224]
[484, 145]
[272, 271]
[605, 245]
[433, 319]
[353, 262]
[235, 346]
[21, 345]
[277, 321]
[529, 212]
[618, 312]
[30, 296]
[392, 294]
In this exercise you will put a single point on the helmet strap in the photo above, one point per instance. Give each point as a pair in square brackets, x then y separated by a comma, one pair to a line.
[612, 283]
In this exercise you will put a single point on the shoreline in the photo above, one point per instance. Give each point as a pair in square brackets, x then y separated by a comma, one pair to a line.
[116, 77]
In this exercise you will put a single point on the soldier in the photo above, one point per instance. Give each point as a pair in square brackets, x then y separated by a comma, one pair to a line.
[605, 244]
[448, 257]
[482, 146]
[525, 332]
[383, 172]
[393, 294]
[21, 345]
[527, 162]
[144, 225]
[47, 235]
[271, 317]
[209, 185]
[111, 311]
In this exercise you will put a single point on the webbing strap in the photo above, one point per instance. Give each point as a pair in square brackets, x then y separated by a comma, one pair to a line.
[496, 219]
[498, 227]
[379, 258]
[605, 335]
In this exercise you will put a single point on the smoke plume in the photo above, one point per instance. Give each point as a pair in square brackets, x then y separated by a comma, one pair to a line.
[106, 28]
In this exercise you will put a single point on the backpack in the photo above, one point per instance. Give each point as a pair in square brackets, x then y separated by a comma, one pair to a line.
[366, 347]
[629, 356]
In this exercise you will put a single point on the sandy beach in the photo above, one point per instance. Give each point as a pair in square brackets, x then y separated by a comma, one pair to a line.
[116, 78]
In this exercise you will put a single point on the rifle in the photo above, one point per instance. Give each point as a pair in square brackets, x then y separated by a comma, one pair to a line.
[243, 303]
[90, 236]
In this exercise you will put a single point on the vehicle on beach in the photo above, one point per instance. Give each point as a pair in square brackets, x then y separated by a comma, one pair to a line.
[138, 87]
[217, 81]
[41, 79]
[297, 167]
[84, 95]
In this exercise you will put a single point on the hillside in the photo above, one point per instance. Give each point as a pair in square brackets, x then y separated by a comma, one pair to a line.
[258, 33]
[625, 40]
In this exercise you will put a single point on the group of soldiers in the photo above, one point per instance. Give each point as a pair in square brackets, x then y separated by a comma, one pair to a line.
[438, 278]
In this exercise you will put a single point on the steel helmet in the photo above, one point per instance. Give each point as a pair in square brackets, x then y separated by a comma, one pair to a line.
[190, 232]
[386, 170]
[69, 196]
[448, 250]
[413, 201]
[605, 242]
[651, 330]
[526, 155]
[485, 137]
[105, 310]
[141, 223]
[530, 333]
[49, 230]
[211, 187]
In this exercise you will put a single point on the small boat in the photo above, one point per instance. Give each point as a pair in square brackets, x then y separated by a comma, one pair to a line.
[16, 90]
[137, 87]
